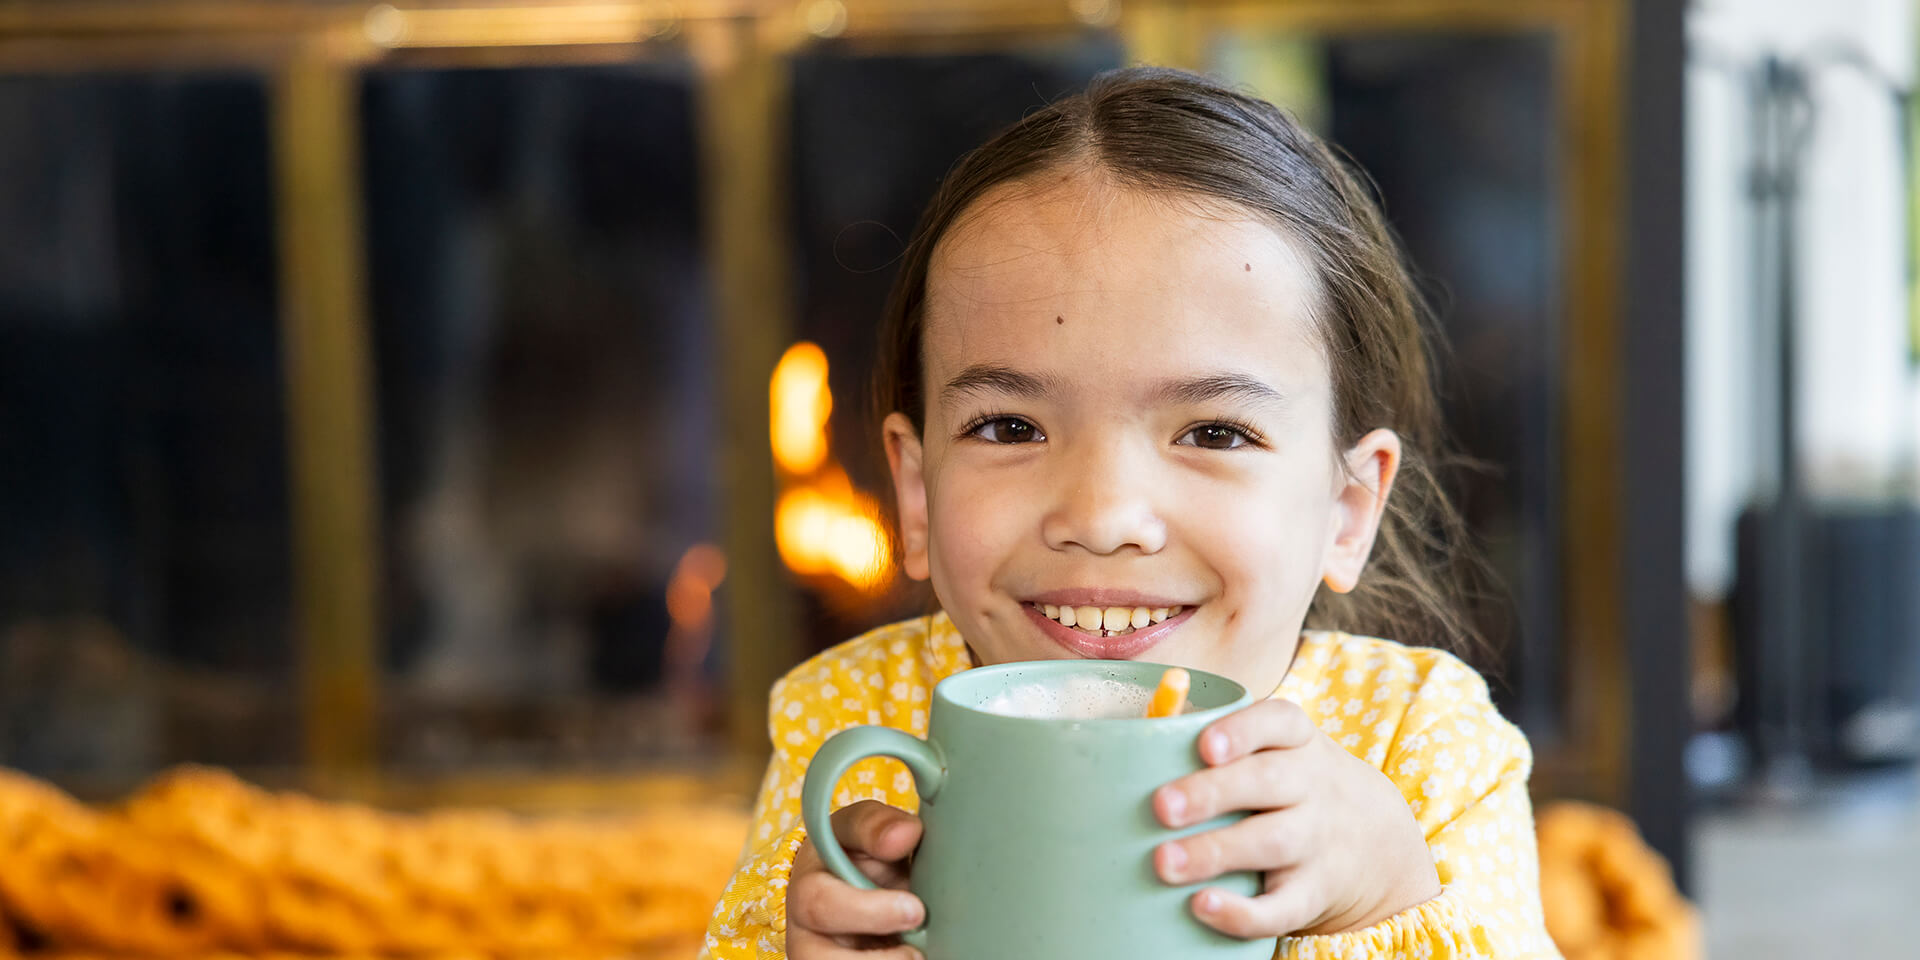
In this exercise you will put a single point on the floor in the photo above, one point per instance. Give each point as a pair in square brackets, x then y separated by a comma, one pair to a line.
[1836, 877]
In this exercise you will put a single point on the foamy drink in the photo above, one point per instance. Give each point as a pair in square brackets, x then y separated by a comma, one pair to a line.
[1075, 697]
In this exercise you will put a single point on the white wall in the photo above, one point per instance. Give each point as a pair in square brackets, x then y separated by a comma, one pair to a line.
[1857, 401]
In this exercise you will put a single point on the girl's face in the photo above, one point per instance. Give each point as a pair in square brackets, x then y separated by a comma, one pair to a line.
[1129, 416]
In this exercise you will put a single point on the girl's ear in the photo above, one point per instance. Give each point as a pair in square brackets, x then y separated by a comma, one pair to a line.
[909, 492]
[1359, 503]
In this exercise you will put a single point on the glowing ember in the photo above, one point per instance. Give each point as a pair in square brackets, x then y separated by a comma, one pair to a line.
[690, 592]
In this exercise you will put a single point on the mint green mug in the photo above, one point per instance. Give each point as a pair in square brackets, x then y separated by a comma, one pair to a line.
[1039, 833]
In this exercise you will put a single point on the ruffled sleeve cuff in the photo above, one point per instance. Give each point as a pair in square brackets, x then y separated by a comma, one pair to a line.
[751, 920]
[1444, 928]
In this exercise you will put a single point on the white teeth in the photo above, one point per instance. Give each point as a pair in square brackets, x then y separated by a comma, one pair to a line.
[1112, 620]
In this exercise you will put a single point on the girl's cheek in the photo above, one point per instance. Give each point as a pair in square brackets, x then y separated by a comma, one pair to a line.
[974, 525]
[1259, 538]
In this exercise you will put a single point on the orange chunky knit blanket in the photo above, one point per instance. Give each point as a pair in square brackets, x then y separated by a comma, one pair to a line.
[199, 864]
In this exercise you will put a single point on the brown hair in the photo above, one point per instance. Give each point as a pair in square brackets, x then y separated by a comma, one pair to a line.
[1166, 130]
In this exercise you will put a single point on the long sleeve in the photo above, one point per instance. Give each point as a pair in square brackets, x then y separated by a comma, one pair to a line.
[882, 678]
[751, 918]
[1463, 770]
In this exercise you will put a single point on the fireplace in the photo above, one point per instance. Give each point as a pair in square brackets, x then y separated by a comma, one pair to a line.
[477, 394]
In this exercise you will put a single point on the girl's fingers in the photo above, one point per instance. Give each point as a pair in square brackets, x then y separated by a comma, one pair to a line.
[1268, 780]
[891, 874]
[1266, 842]
[803, 944]
[1275, 913]
[1269, 724]
[876, 829]
[820, 902]
[877, 839]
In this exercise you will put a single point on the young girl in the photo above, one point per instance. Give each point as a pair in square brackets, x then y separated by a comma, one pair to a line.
[1155, 367]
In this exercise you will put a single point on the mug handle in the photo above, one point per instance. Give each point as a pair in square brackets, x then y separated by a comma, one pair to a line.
[831, 762]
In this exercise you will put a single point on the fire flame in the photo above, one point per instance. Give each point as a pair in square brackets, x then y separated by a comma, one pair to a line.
[801, 403]
[830, 528]
[822, 525]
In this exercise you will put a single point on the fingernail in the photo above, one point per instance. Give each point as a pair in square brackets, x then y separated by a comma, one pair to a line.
[1216, 745]
[910, 910]
[1207, 901]
[1174, 861]
[1176, 804]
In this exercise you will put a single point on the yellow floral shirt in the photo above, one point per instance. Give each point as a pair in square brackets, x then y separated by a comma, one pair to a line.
[1419, 715]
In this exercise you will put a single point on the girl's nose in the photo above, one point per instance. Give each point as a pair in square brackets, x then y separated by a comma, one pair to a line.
[1104, 508]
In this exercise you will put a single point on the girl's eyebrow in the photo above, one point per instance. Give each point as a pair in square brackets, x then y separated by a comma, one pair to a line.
[1236, 387]
[992, 378]
[1006, 381]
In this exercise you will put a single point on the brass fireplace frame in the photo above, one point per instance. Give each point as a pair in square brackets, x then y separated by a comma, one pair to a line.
[311, 51]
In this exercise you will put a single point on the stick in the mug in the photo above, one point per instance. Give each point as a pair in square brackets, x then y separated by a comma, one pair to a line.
[1171, 694]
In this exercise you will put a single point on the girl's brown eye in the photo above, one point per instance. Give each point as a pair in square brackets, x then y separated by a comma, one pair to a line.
[1215, 436]
[1008, 430]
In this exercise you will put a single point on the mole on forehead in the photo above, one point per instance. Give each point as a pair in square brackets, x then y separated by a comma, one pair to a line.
[1005, 262]
[1011, 261]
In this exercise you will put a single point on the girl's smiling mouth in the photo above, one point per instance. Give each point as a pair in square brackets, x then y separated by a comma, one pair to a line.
[1106, 627]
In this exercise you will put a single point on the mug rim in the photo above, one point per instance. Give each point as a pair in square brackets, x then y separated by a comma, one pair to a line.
[943, 692]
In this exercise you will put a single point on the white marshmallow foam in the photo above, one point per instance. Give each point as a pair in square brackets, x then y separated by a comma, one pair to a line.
[1072, 698]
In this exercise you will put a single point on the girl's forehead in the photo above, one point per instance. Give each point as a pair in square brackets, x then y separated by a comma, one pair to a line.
[1120, 279]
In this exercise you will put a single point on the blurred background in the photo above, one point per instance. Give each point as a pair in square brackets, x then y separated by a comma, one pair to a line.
[465, 403]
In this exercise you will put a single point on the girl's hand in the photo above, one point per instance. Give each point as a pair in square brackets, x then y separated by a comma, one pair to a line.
[1337, 846]
[830, 919]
